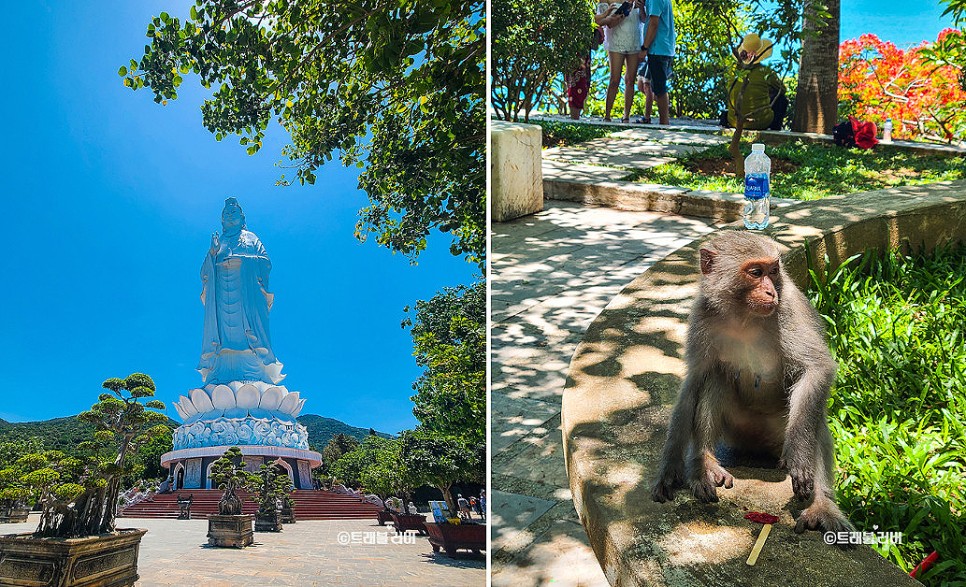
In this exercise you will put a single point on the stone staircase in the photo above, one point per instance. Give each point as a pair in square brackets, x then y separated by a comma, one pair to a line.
[309, 505]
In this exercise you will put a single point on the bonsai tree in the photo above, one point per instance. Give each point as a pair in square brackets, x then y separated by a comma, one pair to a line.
[269, 487]
[41, 476]
[14, 491]
[230, 474]
[122, 423]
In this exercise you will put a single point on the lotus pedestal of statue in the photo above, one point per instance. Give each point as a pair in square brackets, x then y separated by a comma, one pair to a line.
[240, 402]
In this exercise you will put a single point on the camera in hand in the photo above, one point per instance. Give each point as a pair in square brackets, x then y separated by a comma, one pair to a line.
[624, 10]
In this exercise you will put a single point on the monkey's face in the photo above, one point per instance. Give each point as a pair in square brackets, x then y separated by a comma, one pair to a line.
[761, 281]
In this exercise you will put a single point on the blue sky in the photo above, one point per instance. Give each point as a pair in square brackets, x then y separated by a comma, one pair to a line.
[905, 23]
[109, 203]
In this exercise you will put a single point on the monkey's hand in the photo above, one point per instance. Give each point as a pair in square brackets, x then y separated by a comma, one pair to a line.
[667, 482]
[704, 490]
[825, 516]
[719, 475]
[802, 473]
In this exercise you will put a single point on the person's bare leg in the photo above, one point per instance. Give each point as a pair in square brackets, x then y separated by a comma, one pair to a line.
[648, 101]
[616, 63]
[663, 109]
[629, 74]
[575, 113]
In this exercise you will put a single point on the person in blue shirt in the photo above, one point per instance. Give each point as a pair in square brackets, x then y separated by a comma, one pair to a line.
[658, 49]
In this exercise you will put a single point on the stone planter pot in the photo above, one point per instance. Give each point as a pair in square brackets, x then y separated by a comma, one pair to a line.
[403, 522]
[288, 515]
[13, 515]
[268, 523]
[107, 560]
[230, 531]
[451, 537]
[384, 516]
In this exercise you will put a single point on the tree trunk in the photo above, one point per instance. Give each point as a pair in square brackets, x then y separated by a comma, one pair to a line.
[735, 148]
[816, 100]
[448, 496]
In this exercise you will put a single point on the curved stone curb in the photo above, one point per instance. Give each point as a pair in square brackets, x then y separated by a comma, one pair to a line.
[634, 196]
[624, 378]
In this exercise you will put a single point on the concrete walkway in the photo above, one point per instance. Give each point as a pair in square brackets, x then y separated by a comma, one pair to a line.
[356, 553]
[552, 274]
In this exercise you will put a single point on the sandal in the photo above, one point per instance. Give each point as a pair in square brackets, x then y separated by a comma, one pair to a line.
[607, 119]
[626, 120]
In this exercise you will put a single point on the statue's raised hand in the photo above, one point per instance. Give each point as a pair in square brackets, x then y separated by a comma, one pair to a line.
[215, 243]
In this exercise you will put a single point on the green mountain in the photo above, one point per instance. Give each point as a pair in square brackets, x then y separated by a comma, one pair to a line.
[65, 433]
[321, 429]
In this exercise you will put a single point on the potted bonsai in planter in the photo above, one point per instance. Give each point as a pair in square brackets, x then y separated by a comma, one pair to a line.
[288, 510]
[15, 494]
[76, 542]
[269, 492]
[442, 460]
[230, 527]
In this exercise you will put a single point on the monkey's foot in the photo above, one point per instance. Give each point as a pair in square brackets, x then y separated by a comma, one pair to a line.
[719, 476]
[704, 491]
[825, 516]
[663, 490]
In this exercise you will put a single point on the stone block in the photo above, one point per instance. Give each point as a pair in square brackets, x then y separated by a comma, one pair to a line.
[517, 179]
[230, 531]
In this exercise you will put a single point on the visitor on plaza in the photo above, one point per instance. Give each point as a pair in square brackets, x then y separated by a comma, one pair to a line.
[623, 26]
[644, 86]
[658, 50]
[762, 99]
[483, 503]
[464, 506]
[578, 80]
[473, 507]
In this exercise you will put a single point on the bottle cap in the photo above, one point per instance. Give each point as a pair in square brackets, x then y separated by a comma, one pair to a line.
[758, 148]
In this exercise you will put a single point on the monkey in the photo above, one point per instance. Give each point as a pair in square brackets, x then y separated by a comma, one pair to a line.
[759, 374]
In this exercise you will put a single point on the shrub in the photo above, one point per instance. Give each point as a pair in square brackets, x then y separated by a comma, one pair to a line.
[895, 326]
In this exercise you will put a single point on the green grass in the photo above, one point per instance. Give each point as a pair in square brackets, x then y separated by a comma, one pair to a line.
[898, 410]
[560, 134]
[821, 170]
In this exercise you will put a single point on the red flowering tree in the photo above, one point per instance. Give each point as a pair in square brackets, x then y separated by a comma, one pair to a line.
[921, 89]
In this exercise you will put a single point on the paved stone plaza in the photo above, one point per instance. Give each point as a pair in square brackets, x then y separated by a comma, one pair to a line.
[553, 272]
[176, 552]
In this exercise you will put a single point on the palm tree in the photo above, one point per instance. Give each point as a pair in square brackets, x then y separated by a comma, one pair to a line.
[816, 102]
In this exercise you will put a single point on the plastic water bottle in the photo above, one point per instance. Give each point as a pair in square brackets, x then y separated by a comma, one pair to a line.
[887, 131]
[757, 188]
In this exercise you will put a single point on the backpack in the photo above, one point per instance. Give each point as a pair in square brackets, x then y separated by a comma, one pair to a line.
[853, 133]
[843, 135]
[863, 133]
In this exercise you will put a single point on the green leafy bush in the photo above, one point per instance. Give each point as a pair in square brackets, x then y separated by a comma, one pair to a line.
[898, 411]
[533, 42]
